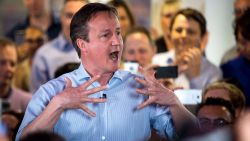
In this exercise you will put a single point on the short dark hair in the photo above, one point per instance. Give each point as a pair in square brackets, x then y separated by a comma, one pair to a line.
[210, 101]
[79, 25]
[242, 25]
[236, 96]
[140, 29]
[121, 3]
[68, 67]
[193, 14]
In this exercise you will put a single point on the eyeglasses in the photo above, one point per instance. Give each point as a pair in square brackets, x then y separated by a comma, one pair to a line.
[205, 122]
[38, 41]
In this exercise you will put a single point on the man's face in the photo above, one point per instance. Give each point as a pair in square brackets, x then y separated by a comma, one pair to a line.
[185, 33]
[8, 61]
[213, 116]
[36, 7]
[167, 13]
[124, 20]
[138, 48]
[240, 6]
[103, 52]
[34, 38]
[68, 11]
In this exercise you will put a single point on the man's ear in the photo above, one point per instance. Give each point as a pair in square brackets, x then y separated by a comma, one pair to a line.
[204, 42]
[81, 44]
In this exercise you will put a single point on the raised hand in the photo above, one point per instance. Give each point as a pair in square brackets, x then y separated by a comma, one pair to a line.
[156, 91]
[75, 97]
[189, 62]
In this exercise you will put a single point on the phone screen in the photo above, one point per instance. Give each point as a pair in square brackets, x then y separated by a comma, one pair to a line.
[166, 72]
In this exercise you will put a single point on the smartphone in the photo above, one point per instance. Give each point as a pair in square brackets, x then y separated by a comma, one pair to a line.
[166, 72]
[131, 66]
[189, 96]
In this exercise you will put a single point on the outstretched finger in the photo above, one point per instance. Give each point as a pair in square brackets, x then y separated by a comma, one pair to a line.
[90, 81]
[142, 91]
[94, 90]
[68, 82]
[94, 100]
[144, 104]
[141, 81]
[84, 108]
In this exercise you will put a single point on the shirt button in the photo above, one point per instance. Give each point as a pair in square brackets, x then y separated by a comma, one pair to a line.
[103, 137]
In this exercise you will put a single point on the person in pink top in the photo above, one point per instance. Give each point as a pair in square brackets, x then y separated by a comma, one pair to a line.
[16, 99]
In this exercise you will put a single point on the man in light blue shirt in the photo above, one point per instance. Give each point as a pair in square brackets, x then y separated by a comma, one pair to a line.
[97, 101]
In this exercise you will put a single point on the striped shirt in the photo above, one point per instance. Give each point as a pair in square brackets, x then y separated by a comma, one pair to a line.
[116, 120]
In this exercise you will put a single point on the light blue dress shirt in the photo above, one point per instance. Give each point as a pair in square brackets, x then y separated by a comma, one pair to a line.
[116, 120]
[49, 58]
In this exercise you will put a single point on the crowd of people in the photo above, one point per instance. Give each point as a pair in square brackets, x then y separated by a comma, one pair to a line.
[64, 78]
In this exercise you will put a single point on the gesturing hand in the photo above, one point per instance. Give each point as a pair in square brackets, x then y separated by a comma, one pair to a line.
[189, 62]
[75, 97]
[156, 91]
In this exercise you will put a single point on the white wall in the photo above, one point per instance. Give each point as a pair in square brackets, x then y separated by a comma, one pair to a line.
[219, 15]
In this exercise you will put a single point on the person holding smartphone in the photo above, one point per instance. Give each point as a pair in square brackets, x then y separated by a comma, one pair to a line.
[189, 36]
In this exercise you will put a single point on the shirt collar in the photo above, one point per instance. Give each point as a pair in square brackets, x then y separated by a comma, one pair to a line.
[82, 74]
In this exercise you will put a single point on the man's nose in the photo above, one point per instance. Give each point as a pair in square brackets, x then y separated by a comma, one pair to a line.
[116, 40]
[184, 33]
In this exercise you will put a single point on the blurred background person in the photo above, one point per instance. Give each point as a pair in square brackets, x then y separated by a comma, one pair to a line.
[239, 68]
[168, 9]
[139, 46]
[34, 38]
[38, 14]
[52, 55]
[17, 99]
[125, 15]
[215, 113]
[216, 118]
[189, 37]
[228, 92]
[239, 7]
[12, 120]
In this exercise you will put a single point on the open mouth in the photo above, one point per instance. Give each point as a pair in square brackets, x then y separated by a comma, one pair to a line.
[114, 55]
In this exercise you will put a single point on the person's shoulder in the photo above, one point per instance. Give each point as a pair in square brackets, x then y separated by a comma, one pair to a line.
[47, 48]
[51, 88]
[233, 63]
[17, 90]
[20, 93]
[208, 66]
